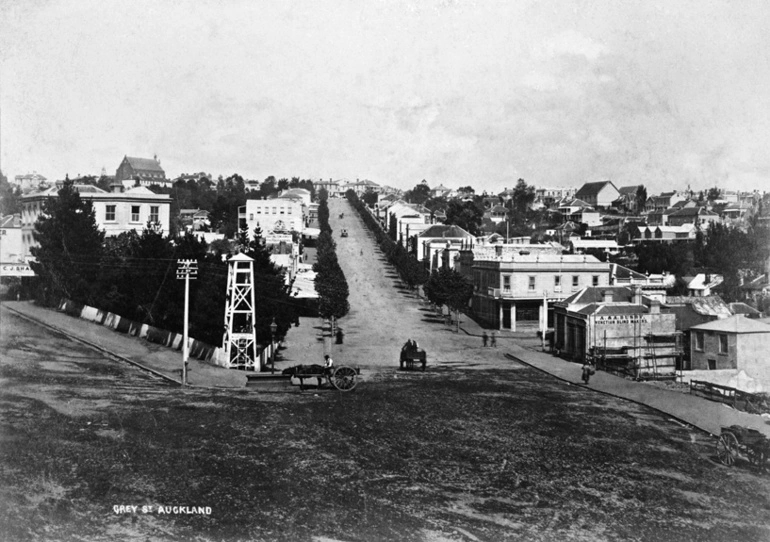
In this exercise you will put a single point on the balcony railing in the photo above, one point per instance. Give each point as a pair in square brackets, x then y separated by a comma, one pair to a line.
[500, 293]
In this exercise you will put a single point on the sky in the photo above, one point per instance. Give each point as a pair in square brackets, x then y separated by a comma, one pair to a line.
[482, 93]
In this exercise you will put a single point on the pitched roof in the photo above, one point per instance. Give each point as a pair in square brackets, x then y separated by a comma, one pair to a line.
[614, 309]
[693, 211]
[574, 202]
[592, 189]
[624, 273]
[593, 294]
[144, 164]
[445, 231]
[735, 324]
[711, 305]
[629, 190]
[743, 308]
[10, 221]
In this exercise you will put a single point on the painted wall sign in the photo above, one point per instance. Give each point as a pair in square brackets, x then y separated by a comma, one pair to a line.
[16, 270]
[622, 319]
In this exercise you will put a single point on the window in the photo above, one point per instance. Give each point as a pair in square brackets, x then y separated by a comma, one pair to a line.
[699, 341]
[712, 364]
[506, 283]
[282, 210]
[575, 281]
[557, 282]
[134, 213]
[154, 214]
[289, 209]
[722, 344]
[251, 216]
[259, 210]
[275, 210]
[531, 282]
[594, 280]
[110, 215]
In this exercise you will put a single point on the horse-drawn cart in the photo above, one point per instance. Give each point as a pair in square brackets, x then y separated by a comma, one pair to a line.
[409, 359]
[736, 440]
[342, 378]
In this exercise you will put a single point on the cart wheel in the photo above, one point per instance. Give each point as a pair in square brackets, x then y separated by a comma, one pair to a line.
[344, 378]
[727, 449]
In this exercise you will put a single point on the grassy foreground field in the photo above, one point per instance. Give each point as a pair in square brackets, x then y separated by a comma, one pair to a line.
[442, 455]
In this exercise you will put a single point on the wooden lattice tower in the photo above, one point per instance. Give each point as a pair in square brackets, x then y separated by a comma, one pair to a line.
[240, 340]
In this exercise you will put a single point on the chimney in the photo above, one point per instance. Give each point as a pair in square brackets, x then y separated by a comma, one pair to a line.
[606, 296]
[654, 306]
[637, 296]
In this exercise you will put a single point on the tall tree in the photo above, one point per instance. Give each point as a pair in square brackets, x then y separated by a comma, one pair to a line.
[522, 197]
[69, 247]
[466, 214]
[10, 197]
[450, 288]
[419, 194]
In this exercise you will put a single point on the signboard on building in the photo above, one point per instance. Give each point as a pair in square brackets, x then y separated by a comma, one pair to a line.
[277, 238]
[16, 270]
[622, 319]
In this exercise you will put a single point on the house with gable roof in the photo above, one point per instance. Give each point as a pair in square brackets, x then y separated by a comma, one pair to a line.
[598, 194]
[144, 171]
[627, 200]
[698, 216]
[440, 191]
[438, 245]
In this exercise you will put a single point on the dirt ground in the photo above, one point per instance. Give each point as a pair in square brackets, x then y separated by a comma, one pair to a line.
[476, 448]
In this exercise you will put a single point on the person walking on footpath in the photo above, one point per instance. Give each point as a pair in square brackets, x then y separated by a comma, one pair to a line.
[588, 370]
[484, 338]
[493, 339]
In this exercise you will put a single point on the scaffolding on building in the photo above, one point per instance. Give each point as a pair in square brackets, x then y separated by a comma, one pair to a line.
[654, 356]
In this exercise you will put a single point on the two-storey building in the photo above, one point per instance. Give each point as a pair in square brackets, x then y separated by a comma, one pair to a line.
[515, 286]
[736, 342]
[116, 212]
[274, 215]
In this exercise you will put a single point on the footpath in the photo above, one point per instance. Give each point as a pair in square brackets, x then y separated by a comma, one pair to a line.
[304, 344]
[698, 412]
[157, 359]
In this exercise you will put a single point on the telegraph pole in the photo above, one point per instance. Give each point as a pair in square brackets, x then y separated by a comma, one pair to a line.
[186, 270]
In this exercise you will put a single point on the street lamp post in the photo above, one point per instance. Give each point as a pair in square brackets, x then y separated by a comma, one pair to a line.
[273, 329]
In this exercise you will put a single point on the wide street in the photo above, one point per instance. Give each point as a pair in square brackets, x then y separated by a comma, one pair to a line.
[383, 313]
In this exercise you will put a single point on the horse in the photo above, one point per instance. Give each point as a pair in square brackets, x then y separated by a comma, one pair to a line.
[303, 371]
